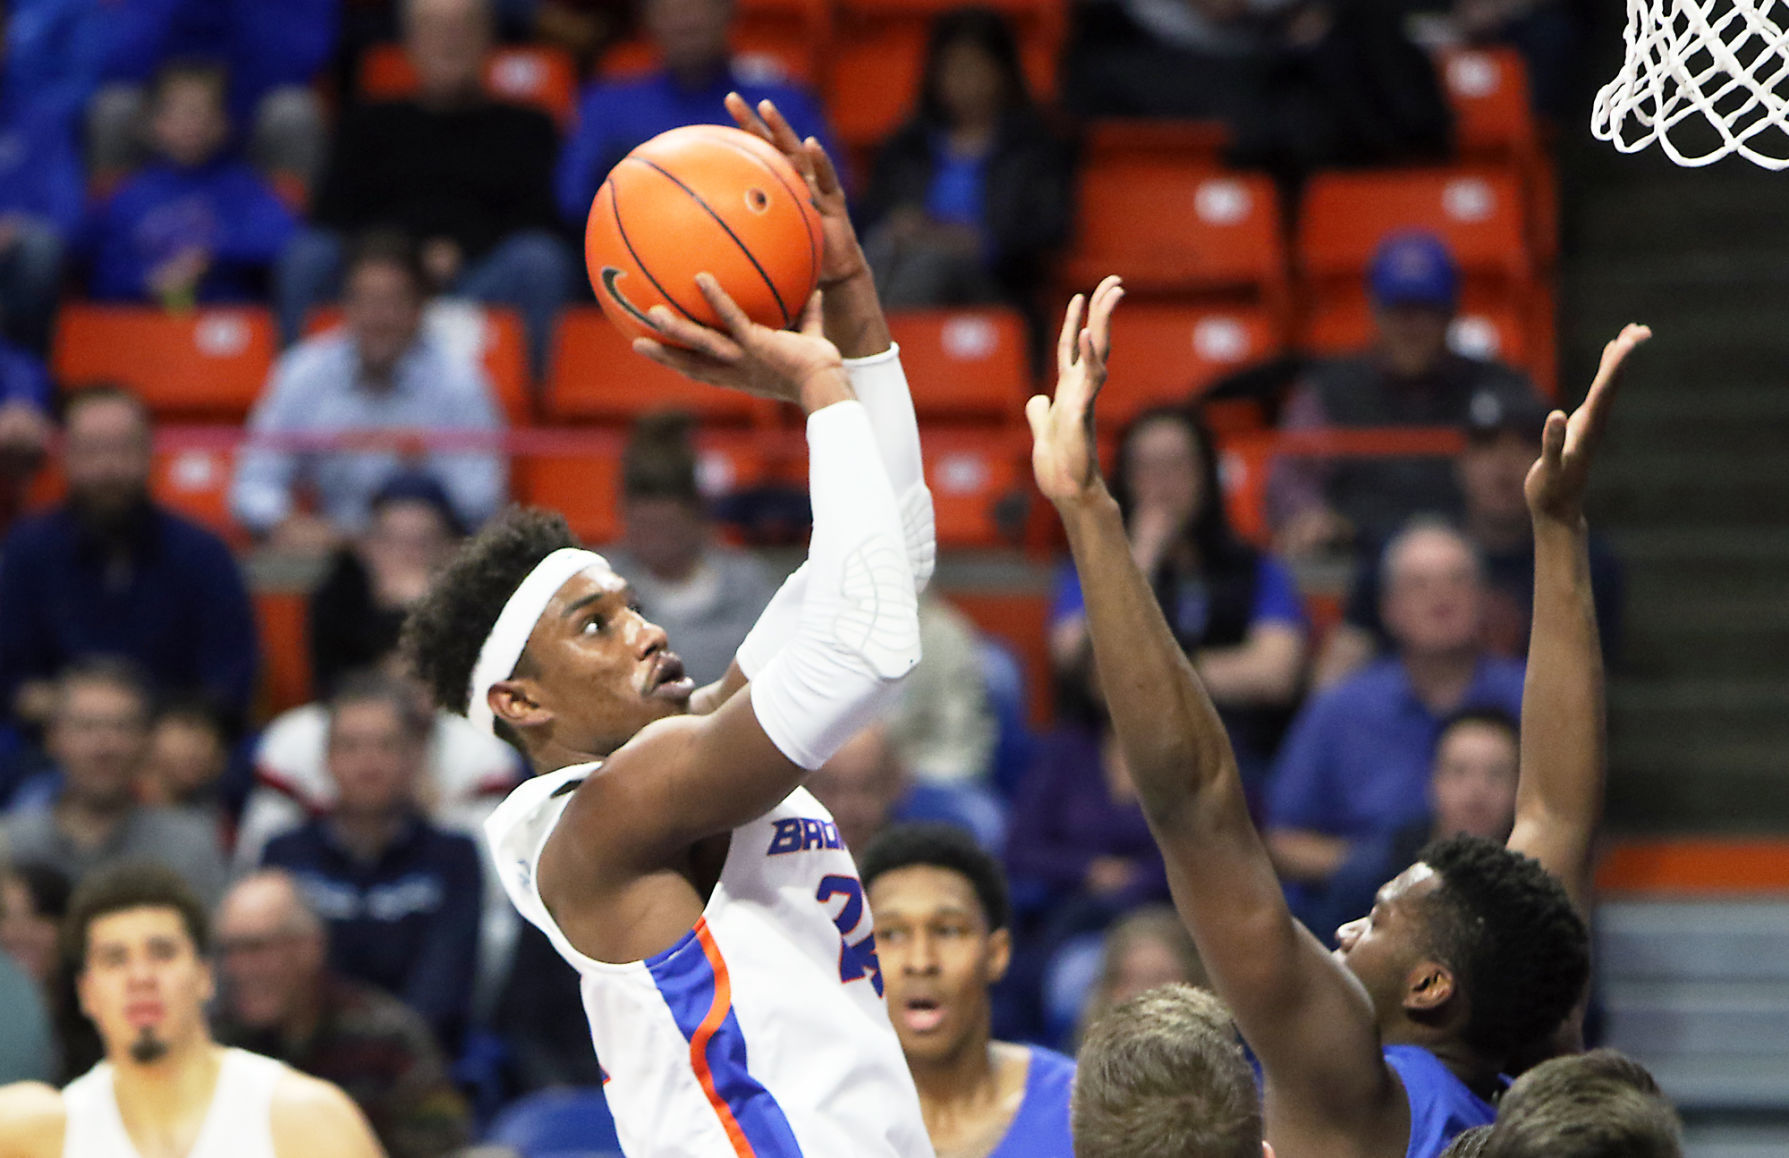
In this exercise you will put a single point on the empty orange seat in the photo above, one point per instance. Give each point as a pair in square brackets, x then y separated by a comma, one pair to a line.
[283, 617]
[964, 364]
[596, 376]
[494, 336]
[980, 480]
[1167, 352]
[1478, 211]
[538, 75]
[1488, 90]
[1167, 225]
[210, 363]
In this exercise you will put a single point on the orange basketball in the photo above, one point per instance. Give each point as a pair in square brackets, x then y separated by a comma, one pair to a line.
[702, 197]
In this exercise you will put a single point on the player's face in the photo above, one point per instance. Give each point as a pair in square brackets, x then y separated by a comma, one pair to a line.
[938, 959]
[1382, 947]
[599, 669]
[1474, 784]
[143, 984]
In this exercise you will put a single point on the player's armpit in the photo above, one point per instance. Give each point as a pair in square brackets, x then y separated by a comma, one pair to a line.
[32, 1121]
[312, 1117]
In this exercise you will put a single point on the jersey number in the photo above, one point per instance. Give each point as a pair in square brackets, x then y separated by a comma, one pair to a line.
[856, 958]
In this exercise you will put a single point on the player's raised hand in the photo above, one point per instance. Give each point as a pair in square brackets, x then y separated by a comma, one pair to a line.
[797, 365]
[1064, 454]
[1556, 482]
[841, 256]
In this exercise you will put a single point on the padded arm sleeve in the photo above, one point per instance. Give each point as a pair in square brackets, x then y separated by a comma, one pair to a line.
[858, 632]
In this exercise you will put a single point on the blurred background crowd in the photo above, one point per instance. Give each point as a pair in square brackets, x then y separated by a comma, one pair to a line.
[292, 302]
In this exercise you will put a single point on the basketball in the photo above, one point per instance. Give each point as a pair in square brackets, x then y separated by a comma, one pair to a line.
[702, 197]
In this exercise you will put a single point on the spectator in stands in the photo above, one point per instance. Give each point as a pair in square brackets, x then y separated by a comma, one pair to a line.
[188, 758]
[28, 1047]
[109, 572]
[1502, 440]
[696, 75]
[42, 189]
[357, 610]
[1356, 764]
[704, 594]
[24, 410]
[1471, 790]
[943, 940]
[195, 225]
[272, 53]
[470, 177]
[280, 999]
[1600, 1104]
[401, 896]
[1549, 34]
[866, 788]
[33, 901]
[382, 371]
[98, 734]
[1409, 378]
[1142, 951]
[943, 727]
[970, 198]
[1235, 610]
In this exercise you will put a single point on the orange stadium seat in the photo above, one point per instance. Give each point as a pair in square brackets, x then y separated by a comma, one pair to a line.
[974, 479]
[1488, 90]
[596, 376]
[1343, 322]
[1164, 352]
[770, 48]
[1174, 227]
[964, 364]
[1479, 211]
[210, 363]
[494, 335]
[285, 649]
[539, 75]
[582, 483]
[879, 54]
[1247, 461]
[194, 479]
[1124, 141]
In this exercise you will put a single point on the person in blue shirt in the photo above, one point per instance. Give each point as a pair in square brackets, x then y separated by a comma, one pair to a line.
[943, 940]
[1355, 766]
[400, 896]
[195, 226]
[696, 75]
[1236, 610]
[1473, 956]
[109, 572]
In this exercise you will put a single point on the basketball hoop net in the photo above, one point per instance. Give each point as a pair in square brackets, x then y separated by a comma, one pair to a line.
[1723, 62]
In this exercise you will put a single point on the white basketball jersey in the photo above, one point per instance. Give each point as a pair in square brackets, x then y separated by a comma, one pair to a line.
[762, 1032]
[239, 1123]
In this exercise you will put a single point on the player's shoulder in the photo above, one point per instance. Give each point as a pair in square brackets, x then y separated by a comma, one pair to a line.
[312, 1116]
[33, 1118]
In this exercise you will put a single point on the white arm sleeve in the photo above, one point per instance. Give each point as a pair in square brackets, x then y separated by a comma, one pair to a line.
[858, 631]
[881, 385]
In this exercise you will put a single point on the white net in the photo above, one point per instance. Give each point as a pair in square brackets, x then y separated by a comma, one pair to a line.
[1703, 78]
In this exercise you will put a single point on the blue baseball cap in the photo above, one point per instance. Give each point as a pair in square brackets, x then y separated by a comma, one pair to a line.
[1414, 269]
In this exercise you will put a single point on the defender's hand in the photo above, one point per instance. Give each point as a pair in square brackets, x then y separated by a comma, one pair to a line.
[841, 256]
[1064, 455]
[798, 366]
[1556, 482]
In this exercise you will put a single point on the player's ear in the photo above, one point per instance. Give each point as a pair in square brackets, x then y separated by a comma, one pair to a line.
[513, 701]
[1000, 954]
[1429, 986]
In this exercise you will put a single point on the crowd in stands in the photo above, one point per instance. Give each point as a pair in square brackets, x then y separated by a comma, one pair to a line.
[185, 153]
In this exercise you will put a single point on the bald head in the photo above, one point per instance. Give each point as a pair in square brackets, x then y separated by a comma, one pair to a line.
[860, 785]
[267, 900]
[271, 948]
[1433, 584]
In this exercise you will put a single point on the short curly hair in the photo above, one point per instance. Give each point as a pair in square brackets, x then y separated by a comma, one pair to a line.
[945, 846]
[446, 629]
[1507, 928]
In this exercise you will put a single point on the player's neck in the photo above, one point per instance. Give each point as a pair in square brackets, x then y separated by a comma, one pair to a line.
[171, 1085]
[1461, 1060]
[970, 1098]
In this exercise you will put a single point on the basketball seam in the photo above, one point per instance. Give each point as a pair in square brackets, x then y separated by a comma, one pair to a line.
[728, 229]
[615, 208]
[814, 243]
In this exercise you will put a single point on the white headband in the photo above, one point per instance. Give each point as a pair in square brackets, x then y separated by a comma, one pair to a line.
[509, 635]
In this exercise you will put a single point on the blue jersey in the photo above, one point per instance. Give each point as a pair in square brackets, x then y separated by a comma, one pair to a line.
[1441, 1107]
[1040, 1128]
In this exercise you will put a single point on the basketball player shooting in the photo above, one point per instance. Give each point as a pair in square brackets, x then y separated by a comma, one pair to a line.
[665, 844]
[165, 1089]
[1393, 1044]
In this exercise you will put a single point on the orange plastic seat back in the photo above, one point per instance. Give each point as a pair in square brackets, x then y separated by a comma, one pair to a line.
[540, 76]
[1488, 89]
[1168, 352]
[1164, 225]
[283, 618]
[1479, 212]
[979, 482]
[193, 477]
[1246, 463]
[210, 363]
[964, 364]
[596, 376]
[581, 480]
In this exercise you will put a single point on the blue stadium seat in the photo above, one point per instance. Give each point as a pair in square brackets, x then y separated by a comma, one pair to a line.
[564, 1123]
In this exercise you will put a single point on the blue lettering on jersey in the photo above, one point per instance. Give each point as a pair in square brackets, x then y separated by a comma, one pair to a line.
[857, 959]
[800, 834]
